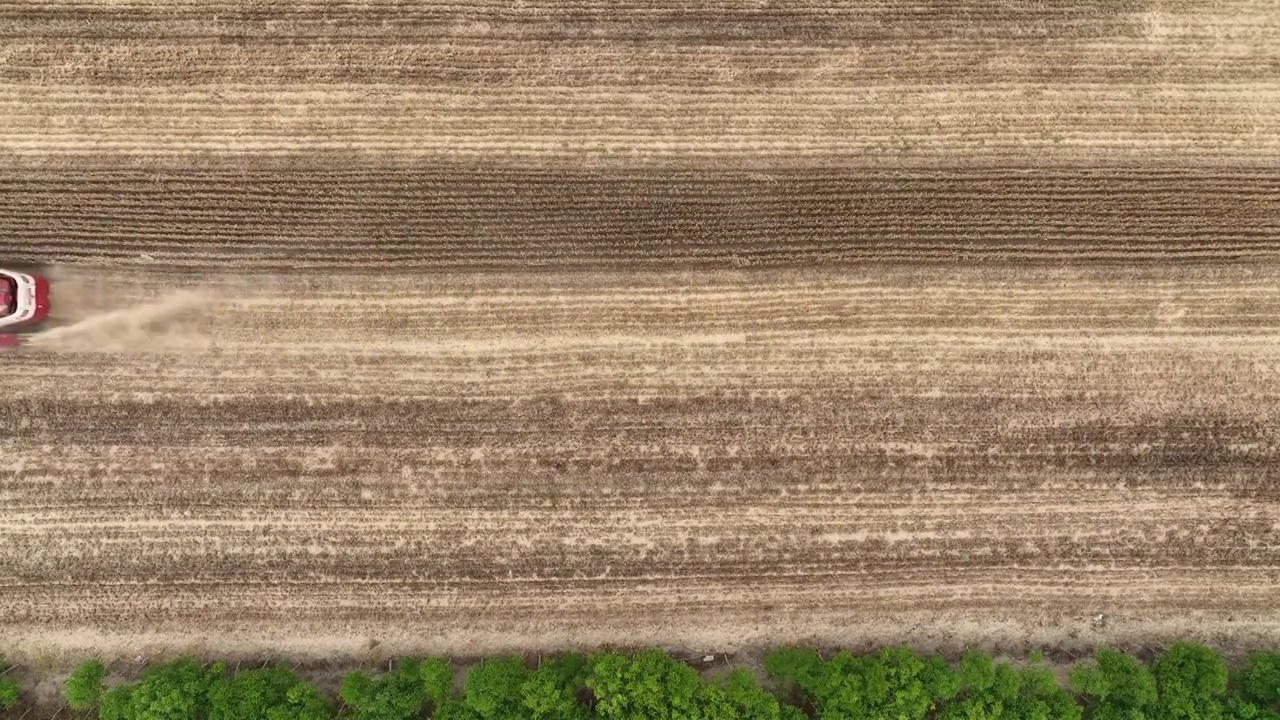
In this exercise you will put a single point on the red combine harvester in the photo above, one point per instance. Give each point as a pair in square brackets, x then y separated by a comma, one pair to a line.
[24, 305]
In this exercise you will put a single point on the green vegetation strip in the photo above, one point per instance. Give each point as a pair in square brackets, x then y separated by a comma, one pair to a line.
[1185, 682]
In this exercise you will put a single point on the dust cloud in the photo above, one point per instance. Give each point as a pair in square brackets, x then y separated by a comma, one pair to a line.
[113, 312]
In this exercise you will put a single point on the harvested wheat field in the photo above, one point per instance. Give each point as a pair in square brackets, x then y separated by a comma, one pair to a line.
[482, 326]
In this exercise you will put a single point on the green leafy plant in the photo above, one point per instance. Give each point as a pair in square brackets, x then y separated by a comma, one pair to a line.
[8, 689]
[83, 688]
[175, 691]
[551, 692]
[1191, 681]
[793, 668]
[8, 693]
[896, 683]
[647, 686]
[397, 695]
[1187, 682]
[737, 696]
[990, 691]
[1117, 687]
[437, 680]
[1260, 679]
[494, 689]
[270, 693]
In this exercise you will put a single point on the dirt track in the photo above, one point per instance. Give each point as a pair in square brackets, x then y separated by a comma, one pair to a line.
[704, 324]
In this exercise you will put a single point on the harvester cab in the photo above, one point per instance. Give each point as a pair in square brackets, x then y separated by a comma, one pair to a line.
[24, 304]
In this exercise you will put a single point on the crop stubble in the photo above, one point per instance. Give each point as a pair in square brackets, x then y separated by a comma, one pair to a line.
[710, 324]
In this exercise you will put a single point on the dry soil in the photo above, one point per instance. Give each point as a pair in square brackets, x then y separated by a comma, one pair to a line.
[711, 324]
